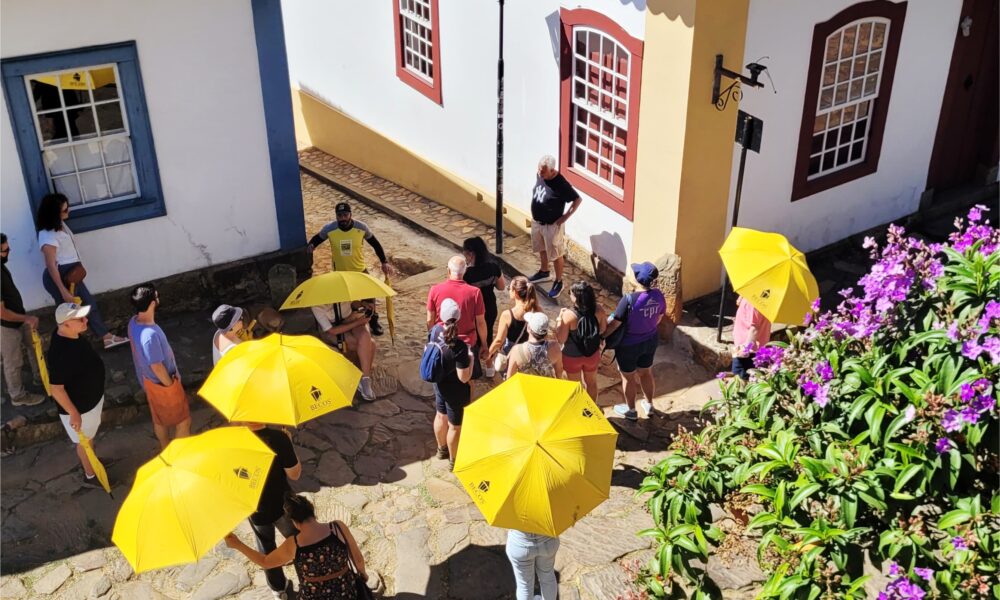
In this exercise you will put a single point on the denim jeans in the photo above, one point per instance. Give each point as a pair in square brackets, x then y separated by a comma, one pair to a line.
[264, 536]
[94, 318]
[742, 365]
[530, 553]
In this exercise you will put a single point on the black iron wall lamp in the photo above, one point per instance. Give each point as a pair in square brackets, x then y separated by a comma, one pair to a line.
[720, 97]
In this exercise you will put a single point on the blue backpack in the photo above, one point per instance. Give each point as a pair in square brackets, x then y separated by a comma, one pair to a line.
[438, 359]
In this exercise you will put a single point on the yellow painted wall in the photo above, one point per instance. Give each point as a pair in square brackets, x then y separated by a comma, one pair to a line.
[685, 144]
[323, 126]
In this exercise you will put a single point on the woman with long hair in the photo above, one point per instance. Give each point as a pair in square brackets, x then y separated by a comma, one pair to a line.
[453, 392]
[484, 272]
[579, 330]
[511, 325]
[63, 266]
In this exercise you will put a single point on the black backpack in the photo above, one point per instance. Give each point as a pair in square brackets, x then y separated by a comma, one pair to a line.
[615, 339]
[588, 335]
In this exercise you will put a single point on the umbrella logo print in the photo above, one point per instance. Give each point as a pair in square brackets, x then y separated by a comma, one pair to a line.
[298, 296]
[484, 486]
[765, 294]
[242, 473]
[315, 393]
[587, 413]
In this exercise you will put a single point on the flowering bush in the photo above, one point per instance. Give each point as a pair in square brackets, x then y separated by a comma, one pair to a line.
[870, 437]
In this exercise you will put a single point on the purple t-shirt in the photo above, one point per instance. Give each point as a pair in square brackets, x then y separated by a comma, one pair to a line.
[150, 346]
[641, 325]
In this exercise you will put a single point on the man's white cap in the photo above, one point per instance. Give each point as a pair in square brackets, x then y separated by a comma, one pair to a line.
[70, 310]
[449, 310]
[538, 323]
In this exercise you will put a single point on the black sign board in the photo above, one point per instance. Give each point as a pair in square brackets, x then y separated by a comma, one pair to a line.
[749, 130]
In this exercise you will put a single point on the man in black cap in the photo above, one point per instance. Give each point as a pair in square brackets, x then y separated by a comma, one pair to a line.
[345, 235]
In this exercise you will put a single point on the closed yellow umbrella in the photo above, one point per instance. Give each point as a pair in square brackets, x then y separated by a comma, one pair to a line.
[390, 314]
[536, 454]
[281, 379]
[99, 470]
[770, 273]
[190, 496]
[334, 287]
[43, 369]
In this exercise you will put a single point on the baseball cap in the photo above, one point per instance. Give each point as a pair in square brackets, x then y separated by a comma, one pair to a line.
[342, 207]
[70, 310]
[449, 310]
[538, 323]
[645, 272]
[225, 317]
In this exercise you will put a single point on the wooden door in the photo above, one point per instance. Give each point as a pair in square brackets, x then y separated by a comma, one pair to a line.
[966, 145]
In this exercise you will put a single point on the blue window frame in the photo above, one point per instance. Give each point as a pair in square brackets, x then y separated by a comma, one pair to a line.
[87, 106]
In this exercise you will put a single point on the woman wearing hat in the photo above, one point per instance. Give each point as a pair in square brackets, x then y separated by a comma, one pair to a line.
[228, 323]
[639, 313]
[537, 355]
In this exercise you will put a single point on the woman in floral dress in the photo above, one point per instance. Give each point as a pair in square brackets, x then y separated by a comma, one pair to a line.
[319, 552]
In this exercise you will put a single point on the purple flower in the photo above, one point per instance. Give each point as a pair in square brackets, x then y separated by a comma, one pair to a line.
[976, 213]
[984, 403]
[989, 314]
[925, 574]
[971, 349]
[722, 375]
[869, 243]
[958, 542]
[943, 445]
[952, 420]
[894, 570]
[809, 387]
[970, 415]
[769, 357]
[909, 413]
[825, 371]
[968, 392]
[991, 346]
[953, 331]
[823, 395]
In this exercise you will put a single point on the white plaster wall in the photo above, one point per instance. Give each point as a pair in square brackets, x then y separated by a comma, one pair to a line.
[199, 70]
[342, 51]
[918, 89]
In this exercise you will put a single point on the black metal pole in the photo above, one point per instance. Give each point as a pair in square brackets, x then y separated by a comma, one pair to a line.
[499, 219]
[747, 136]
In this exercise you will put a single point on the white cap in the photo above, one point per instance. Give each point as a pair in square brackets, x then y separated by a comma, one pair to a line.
[538, 323]
[70, 310]
[449, 310]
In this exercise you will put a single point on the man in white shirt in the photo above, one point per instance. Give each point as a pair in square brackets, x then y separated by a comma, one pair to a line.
[352, 325]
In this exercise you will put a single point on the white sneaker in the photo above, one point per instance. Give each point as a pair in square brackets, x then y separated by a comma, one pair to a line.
[647, 407]
[366, 389]
[489, 371]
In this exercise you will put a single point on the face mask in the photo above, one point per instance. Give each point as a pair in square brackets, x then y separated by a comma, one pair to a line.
[3, 260]
[345, 225]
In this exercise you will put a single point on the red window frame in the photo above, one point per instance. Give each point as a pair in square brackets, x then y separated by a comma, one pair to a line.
[621, 202]
[895, 13]
[430, 89]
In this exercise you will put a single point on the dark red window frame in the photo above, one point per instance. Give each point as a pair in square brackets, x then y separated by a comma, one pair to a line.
[802, 186]
[431, 90]
[624, 203]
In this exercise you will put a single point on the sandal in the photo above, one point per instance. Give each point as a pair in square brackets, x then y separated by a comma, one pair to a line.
[115, 341]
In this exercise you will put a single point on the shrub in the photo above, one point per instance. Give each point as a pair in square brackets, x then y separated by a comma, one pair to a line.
[871, 435]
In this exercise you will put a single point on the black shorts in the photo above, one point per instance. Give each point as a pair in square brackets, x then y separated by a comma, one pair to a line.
[634, 356]
[451, 398]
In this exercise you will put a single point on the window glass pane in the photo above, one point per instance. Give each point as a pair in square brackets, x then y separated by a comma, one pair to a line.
[820, 124]
[833, 47]
[841, 96]
[826, 98]
[863, 109]
[849, 113]
[856, 150]
[581, 43]
[817, 144]
[95, 188]
[859, 67]
[105, 86]
[834, 118]
[81, 123]
[44, 93]
[88, 156]
[874, 61]
[75, 88]
[847, 45]
[116, 151]
[122, 182]
[844, 71]
[53, 128]
[59, 161]
[871, 84]
[814, 165]
[878, 35]
[68, 187]
[864, 37]
[855, 89]
[110, 118]
[830, 75]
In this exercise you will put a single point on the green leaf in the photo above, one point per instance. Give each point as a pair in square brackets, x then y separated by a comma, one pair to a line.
[905, 475]
[849, 510]
[952, 518]
[759, 489]
[779, 500]
[804, 493]
[872, 501]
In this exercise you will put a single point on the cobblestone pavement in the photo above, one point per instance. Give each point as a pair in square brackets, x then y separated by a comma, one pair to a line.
[370, 466]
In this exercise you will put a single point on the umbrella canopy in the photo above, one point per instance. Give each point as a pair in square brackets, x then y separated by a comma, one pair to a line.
[281, 379]
[536, 454]
[99, 470]
[334, 287]
[770, 273]
[190, 496]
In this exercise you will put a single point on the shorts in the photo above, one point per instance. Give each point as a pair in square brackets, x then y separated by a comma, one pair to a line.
[549, 238]
[452, 400]
[588, 364]
[741, 366]
[91, 421]
[634, 356]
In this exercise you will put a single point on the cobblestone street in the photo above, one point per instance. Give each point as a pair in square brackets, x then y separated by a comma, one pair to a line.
[370, 466]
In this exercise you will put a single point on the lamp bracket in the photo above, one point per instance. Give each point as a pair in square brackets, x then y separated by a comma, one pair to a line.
[721, 97]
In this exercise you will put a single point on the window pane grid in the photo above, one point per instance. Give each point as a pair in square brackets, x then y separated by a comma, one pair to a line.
[92, 125]
[600, 100]
[849, 86]
[415, 23]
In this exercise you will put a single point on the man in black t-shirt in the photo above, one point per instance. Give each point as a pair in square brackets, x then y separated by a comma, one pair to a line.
[76, 380]
[549, 198]
[16, 328]
[270, 512]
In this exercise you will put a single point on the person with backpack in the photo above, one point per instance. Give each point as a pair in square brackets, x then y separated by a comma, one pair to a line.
[447, 363]
[579, 330]
[633, 333]
[538, 355]
[511, 327]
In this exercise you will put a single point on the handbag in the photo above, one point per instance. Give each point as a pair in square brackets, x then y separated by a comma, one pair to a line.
[500, 360]
[360, 585]
[614, 340]
[75, 275]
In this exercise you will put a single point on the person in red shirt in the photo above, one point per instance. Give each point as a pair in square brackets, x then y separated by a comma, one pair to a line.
[472, 324]
[751, 330]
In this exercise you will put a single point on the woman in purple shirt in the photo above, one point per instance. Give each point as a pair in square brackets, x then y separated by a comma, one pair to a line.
[639, 313]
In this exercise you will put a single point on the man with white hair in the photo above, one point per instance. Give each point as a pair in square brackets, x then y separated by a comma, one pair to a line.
[548, 202]
[472, 323]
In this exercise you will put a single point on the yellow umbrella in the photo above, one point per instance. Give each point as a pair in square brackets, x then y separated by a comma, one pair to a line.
[770, 273]
[43, 369]
[99, 470]
[190, 496]
[536, 454]
[281, 379]
[390, 315]
[334, 287]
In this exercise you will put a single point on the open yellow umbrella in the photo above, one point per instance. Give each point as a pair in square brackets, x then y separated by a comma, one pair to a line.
[770, 273]
[334, 287]
[190, 496]
[43, 369]
[280, 379]
[99, 470]
[536, 454]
